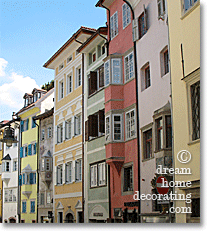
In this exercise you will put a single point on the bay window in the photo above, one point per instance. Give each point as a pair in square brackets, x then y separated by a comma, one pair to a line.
[130, 124]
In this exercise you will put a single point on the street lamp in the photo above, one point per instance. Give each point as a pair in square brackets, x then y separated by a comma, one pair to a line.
[9, 137]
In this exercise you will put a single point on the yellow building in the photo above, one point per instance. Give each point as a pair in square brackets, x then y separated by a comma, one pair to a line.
[67, 158]
[35, 103]
[184, 35]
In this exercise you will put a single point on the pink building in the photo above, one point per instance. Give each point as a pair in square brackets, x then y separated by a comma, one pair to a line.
[120, 113]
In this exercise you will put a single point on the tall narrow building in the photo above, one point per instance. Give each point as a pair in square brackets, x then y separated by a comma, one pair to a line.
[96, 187]
[35, 103]
[184, 33]
[67, 157]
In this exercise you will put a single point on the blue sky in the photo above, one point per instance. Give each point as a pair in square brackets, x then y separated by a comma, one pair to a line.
[31, 32]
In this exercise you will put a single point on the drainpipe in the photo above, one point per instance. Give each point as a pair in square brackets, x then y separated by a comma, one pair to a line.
[137, 111]
[37, 179]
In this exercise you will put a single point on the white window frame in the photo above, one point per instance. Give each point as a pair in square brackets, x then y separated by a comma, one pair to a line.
[14, 165]
[49, 129]
[48, 197]
[112, 71]
[60, 88]
[161, 11]
[68, 174]
[93, 175]
[59, 173]
[121, 126]
[190, 6]
[114, 25]
[43, 134]
[68, 129]
[162, 61]
[108, 129]
[78, 124]
[102, 174]
[78, 171]
[128, 75]
[129, 136]
[68, 90]
[69, 59]
[126, 12]
[107, 72]
[60, 133]
[61, 66]
[77, 76]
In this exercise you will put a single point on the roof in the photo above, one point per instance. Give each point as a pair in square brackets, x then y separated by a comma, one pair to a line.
[44, 115]
[7, 157]
[27, 169]
[32, 104]
[73, 37]
[100, 30]
[99, 2]
[4, 122]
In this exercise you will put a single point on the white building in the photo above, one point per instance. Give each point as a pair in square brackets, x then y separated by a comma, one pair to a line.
[10, 180]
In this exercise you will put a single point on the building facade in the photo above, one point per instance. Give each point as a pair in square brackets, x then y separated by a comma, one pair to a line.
[120, 113]
[10, 179]
[96, 204]
[67, 158]
[45, 170]
[35, 103]
[184, 22]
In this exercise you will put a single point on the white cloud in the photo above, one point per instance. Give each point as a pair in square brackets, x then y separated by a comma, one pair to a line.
[3, 64]
[11, 94]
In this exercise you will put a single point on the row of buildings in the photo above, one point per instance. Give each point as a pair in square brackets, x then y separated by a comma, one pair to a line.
[126, 101]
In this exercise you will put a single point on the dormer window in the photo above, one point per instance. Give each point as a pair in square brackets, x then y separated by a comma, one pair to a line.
[35, 97]
[61, 66]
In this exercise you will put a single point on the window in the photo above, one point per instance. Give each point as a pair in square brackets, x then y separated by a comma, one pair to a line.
[60, 133]
[164, 57]
[32, 206]
[49, 132]
[0, 145]
[10, 195]
[126, 15]
[15, 166]
[103, 49]
[116, 71]
[24, 125]
[7, 166]
[29, 178]
[147, 136]
[60, 217]
[101, 174]
[130, 124]
[187, 4]
[25, 151]
[43, 134]
[107, 73]
[68, 170]
[159, 134]
[15, 144]
[69, 59]
[24, 206]
[107, 128]
[61, 89]
[142, 28]
[161, 8]
[59, 175]
[129, 67]
[42, 199]
[78, 170]
[78, 77]
[69, 83]
[47, 164]
[96, 80]
[94, 57]
[195, 108]
[93, 175]
[117, 127]
[168, 131]
[43, 164]
[33, 148]
[33, 123]
[77, 123]
[61, 66]
[114, 25]
[145, 77]
[128, 179]
[48, 198]
[68, 128]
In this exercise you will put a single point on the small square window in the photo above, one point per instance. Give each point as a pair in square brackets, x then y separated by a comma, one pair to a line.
[61, 66]
[145, 77]
[69, 59]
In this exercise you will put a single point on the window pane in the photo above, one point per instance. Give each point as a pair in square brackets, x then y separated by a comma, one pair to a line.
[116, 71]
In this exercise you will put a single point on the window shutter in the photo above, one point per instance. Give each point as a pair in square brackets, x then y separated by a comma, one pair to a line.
[76, 170]
[31, 178]
[135, 29]
[35, 148]
[86, 131]
[95, 175]
[103, 166]
[93, 125]
[66, 175]
[90, 58]
[26, 150]
[21, 152]
[23, 178]
[63, 174]
[56, 176]
[101, 121]
[29, 149]
[73, 171]
[72, 127]
[64, 131]
[101, 76]
[56, 140]
[34, 178]
[27, 124]
[145, 19]
[22, 126]
[20, 180]
[92, 175]
[92, 82]
[75, 124]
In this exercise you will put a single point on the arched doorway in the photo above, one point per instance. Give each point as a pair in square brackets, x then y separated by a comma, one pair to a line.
[69, 218]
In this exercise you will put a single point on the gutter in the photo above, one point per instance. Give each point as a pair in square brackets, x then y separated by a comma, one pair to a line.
[137, 112]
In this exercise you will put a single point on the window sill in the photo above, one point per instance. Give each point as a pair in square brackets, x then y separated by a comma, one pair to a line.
[129, 139]
[194, 142]
[127, 193]
[99, 186]
[162, 150]
[185, 14]
[94, 93]
[95, 138]
[163, 76]
[144, 160]
[129, 80]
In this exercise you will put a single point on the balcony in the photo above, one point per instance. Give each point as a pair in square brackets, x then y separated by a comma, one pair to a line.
[6, 177]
